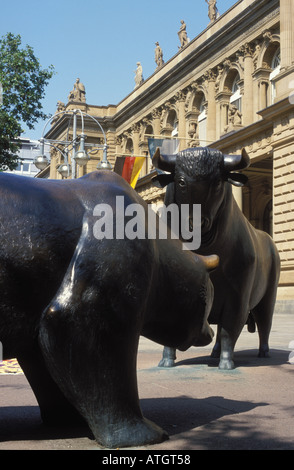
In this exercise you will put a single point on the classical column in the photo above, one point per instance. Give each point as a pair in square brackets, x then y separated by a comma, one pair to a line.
[247, 101]
[111, 145]
[136, 138]
[181, 120]
[223, 99]
[287, 33]
[156, 114]
[211, 109]
[263, 94]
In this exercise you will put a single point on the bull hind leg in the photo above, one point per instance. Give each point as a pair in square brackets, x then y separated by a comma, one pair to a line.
[263, 314]
[55, 409]
[168, 357]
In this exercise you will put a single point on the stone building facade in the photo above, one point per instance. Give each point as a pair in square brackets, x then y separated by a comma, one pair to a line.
[230, 87]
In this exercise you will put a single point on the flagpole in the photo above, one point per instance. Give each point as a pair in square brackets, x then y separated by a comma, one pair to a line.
[129, 155]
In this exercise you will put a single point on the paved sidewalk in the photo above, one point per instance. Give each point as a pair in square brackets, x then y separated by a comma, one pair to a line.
[201, 408]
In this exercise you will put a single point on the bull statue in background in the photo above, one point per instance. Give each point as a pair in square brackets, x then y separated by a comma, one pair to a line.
[74, 302]
[246, 281]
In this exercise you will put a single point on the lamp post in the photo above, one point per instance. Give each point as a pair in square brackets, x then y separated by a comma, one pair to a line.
[78, 157]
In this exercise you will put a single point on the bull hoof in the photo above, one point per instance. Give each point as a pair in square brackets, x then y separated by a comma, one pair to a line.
[263, 353]
[226, 364]
[166, 362]
[140, 433]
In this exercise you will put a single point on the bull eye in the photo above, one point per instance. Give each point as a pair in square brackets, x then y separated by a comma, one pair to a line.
[182, 182]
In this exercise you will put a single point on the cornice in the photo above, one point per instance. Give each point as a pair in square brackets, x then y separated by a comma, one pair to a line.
[277, 109]
[235, 138]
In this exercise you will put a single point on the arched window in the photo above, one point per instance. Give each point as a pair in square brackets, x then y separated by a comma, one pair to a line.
[172, 123]
[202, 124]
[129, 147]
[276, 67]
[235, 99]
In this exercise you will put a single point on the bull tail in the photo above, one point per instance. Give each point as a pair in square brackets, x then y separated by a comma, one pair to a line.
[251, 326]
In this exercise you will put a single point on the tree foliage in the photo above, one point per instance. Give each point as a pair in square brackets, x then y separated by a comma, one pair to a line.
[23, 83]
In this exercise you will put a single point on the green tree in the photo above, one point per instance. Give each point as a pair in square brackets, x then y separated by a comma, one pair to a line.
[23, 87]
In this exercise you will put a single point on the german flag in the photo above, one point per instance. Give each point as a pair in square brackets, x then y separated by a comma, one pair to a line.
[129, 168]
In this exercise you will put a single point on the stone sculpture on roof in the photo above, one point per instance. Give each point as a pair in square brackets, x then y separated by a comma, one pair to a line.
[78, 93]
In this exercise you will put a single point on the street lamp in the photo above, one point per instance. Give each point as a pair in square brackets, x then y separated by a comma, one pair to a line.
[104, 163]
[41, 161]
[79, 157]
[64, 169]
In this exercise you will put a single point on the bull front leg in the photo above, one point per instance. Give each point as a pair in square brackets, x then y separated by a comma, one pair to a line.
[84, 363]
[228, 333]
[227, 344]
[168, 357]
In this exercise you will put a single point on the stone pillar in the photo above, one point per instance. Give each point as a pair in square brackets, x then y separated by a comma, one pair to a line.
[263, 94]
[136, 138]
[111, 146]
[181, 120]
[156, 122]
[247, 100]
[223, 99]
[211, 110]
[287, 33]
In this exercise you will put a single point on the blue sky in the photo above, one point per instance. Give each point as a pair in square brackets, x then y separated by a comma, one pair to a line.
[100, 41]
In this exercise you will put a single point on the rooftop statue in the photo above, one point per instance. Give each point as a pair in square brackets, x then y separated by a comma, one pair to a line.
[212, 10]
[182, 33]
[78, 93]
[139, 75]
[158, 55]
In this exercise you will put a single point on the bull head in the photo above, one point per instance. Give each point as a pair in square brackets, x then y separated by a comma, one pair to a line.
[231, 164]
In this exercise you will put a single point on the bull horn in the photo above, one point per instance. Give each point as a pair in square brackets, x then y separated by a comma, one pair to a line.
[164, 162]
[211, 262]
[237, 162]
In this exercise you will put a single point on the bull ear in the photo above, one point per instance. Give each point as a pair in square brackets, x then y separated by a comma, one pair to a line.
[164, 162]
[163, 179]
[237, 162]
[237, 179]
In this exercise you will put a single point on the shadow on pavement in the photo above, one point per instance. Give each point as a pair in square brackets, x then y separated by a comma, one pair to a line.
[244, 358]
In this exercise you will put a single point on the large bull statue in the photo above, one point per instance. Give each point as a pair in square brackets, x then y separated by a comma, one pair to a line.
[76, 293]
[246, 281]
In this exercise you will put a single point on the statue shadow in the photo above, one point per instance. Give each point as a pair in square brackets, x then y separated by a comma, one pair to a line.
[242, 358]
[24, 423]
[212, 423]
[183, 413]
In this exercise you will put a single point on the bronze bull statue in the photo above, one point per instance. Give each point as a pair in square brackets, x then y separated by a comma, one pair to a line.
[74, 301]
[246, 281]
